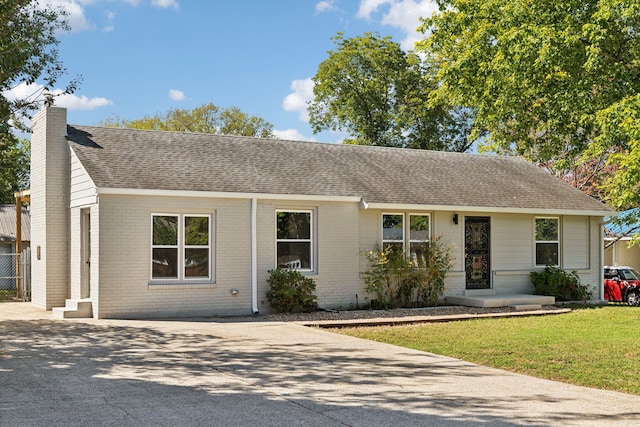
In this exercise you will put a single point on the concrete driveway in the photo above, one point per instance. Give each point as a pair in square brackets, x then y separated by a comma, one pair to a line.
[238, 373]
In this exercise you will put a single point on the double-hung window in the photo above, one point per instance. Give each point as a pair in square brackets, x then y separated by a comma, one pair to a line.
[393, 231]
[413, 238]
[181, 247]
[547, 241]
[419, 236]
[294, 239]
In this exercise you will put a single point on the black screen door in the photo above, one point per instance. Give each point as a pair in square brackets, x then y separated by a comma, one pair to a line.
[476, 252]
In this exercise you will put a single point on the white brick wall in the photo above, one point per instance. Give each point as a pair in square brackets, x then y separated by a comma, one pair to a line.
[125, 253]
[336, 241]
[50, 170]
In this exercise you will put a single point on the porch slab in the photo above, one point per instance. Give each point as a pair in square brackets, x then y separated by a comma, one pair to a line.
[499, 300]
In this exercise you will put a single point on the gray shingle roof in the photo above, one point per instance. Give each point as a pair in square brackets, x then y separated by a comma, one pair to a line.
[137, 159]
[8, 223]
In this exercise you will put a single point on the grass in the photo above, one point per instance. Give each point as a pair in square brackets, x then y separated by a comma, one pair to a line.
[7, 294]
[593, 347]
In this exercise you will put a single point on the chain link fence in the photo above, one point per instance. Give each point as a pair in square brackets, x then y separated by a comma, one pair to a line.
[15, 276]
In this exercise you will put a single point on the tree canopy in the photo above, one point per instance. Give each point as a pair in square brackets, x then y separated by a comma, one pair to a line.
[556, 82]
[369, 87]
[207, 118]
[14, 166]
[28, 55]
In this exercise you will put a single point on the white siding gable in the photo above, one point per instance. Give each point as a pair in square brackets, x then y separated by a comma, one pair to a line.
[83, 189]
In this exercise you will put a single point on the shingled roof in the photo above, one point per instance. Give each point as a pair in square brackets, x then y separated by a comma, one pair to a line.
[118, 158]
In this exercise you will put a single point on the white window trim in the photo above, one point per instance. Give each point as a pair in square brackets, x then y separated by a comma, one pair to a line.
[409, 229]
[310, 240]
[406, 229]
[182, 250]
[535, 249]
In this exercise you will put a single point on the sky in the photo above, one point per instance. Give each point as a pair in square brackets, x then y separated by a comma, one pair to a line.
[144, 57]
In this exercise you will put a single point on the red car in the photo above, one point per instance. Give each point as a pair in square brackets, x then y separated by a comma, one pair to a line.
[622, 284]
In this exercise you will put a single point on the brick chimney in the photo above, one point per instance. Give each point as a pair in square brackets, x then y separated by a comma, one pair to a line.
[50, 213]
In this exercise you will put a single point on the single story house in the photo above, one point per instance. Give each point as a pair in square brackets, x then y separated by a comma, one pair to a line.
[617, 237]
[138, 223]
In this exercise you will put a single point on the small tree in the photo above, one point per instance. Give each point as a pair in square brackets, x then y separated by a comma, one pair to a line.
[395, 280]
[291, 292]
[564, 286]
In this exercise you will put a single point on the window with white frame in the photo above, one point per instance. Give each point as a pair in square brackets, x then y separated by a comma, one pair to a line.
[294, 239]
[547, 235]
[419, 236]
[413, 238]
[181, 247]
[393, 231]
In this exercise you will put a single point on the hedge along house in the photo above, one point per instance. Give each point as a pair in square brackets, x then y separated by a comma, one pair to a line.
[133, 223]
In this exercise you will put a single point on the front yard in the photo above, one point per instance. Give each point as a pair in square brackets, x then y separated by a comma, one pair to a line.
[593, 347]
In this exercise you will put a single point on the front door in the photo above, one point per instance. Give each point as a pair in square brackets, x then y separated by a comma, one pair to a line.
[476, 252]
[85, 255]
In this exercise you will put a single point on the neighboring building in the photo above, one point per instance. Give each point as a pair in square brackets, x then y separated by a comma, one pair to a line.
[148, 224]
[8, 238]
[617, 237]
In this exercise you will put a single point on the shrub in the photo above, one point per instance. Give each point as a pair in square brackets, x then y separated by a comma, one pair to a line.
[564, 286]
[395, 280]
[291, 292]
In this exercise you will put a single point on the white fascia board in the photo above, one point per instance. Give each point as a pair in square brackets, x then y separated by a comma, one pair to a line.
[223, 195]
[485, 209]
[347, 199]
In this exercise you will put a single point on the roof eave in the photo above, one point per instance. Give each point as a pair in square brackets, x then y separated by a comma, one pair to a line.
[489, 209]
[347, 199]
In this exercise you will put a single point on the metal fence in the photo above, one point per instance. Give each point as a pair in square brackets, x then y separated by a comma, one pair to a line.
[15, 276]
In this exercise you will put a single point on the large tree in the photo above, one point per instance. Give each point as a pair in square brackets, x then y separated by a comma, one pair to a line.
[14, 166]
[207, 118]
[556, 82]
[379, 94]
[28, 55]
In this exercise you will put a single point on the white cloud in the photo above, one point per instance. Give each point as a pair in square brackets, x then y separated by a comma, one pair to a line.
[402, 14]
[176, 95]
[110, 18]
[35, 93]
[291, 134]
[368, 7]
[298, 100]
[76, 17]
[325, 6]
[165, 4]
[74, 102]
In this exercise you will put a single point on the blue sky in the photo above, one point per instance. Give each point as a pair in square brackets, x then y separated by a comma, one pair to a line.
[142, 57]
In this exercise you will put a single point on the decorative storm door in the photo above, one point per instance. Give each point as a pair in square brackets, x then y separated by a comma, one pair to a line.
[476, 252]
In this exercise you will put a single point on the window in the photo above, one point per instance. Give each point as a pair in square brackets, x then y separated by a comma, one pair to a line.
[547, 241]
[294, 240]
[419, 236]
[393, 231]
[413, 239]
[181, 247]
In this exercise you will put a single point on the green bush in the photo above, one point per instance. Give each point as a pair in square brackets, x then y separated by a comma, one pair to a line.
[564, 286]
[395, 280]
[291, 292]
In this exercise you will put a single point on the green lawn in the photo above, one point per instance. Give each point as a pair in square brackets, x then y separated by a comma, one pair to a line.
[593, 347]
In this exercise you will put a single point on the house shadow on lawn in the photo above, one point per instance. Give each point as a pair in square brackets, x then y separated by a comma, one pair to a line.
[76, 373]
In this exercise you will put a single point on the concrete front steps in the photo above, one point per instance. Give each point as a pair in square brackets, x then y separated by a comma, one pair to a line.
[74, 309]
[519, 302]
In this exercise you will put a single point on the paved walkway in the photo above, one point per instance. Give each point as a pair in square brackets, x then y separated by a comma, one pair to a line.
[169, 373]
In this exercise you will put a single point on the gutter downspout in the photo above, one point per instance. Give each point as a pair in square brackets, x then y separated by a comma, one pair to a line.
[254, 256]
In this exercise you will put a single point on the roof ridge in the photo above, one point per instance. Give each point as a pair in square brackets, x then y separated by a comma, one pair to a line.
[296, 141]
